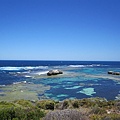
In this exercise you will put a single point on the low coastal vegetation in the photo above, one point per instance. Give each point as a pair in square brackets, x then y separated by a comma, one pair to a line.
[76, 109]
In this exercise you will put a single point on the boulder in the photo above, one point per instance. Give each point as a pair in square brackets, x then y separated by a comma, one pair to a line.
[116, 73]
[110, 72]
[54, 72]
[113, 73]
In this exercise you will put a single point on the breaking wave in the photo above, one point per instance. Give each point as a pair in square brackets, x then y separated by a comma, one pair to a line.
[27, 76]
[76, 66]
[42, 73]
[81, 66]
[15, 83]
[22, 68]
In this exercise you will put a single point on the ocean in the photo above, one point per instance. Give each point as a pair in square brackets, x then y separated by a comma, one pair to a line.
[80, 79]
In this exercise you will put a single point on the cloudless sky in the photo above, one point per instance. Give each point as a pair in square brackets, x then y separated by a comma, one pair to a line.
[60, 30]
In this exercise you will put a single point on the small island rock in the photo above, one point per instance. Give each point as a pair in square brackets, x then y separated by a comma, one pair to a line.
[54, 72]
[110, 72]
[113, 73]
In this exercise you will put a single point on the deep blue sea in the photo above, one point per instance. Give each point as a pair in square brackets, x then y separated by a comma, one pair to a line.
[80, 79]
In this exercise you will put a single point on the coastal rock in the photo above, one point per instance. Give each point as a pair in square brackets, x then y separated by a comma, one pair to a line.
[54, 72]
[116, 73]
[110, 72]
[113, 73]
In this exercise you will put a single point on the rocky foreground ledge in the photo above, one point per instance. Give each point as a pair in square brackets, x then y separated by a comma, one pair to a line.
[54, 72]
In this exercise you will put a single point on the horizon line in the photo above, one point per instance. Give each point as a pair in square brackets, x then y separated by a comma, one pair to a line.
[66, 60]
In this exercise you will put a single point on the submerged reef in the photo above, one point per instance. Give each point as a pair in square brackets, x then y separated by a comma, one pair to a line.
[22, 90]
[87, 91]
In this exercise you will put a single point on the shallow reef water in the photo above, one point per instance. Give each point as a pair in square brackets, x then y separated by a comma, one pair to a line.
[79, 80]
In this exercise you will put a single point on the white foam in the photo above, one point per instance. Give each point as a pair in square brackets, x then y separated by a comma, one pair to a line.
[43, 67]
[23, 68]
[76, 66]
[96, 65]
[74, 87]
[81, 66]
[10, 68]
[27, 76]
[15, 83]
[28, 68]
[36, 67]
[18, 72]
[93, 65]
[42, 73]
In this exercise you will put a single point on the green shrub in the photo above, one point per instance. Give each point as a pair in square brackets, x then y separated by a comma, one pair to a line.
[95, 108]
[106, 117]
[65, 104]
[24, 103]
[15, 119]
[49, 106]
[46, 104]
[98, 110]
[75, 104]
[21, 114]
[117, 105]
[20, 110]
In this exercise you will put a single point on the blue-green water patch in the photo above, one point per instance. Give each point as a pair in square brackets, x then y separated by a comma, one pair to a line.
[101, 88]
[87, 91]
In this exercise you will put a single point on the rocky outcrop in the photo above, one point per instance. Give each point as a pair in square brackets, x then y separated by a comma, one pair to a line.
[110, 72]
[54, 72]
[113, 73]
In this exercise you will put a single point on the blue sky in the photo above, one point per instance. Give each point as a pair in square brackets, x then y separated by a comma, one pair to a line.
[60, 30]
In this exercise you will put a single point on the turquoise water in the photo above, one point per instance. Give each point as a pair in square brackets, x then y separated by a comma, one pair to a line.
[83, 83]
[79, 79]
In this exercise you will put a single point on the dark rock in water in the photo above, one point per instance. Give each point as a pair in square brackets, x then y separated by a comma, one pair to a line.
[110, 72]
[116, 73]
[54, 72]
[113, 73]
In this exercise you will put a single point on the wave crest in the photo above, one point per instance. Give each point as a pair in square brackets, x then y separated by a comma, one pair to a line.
[92, 65]
[22, 68]
[76, 66]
